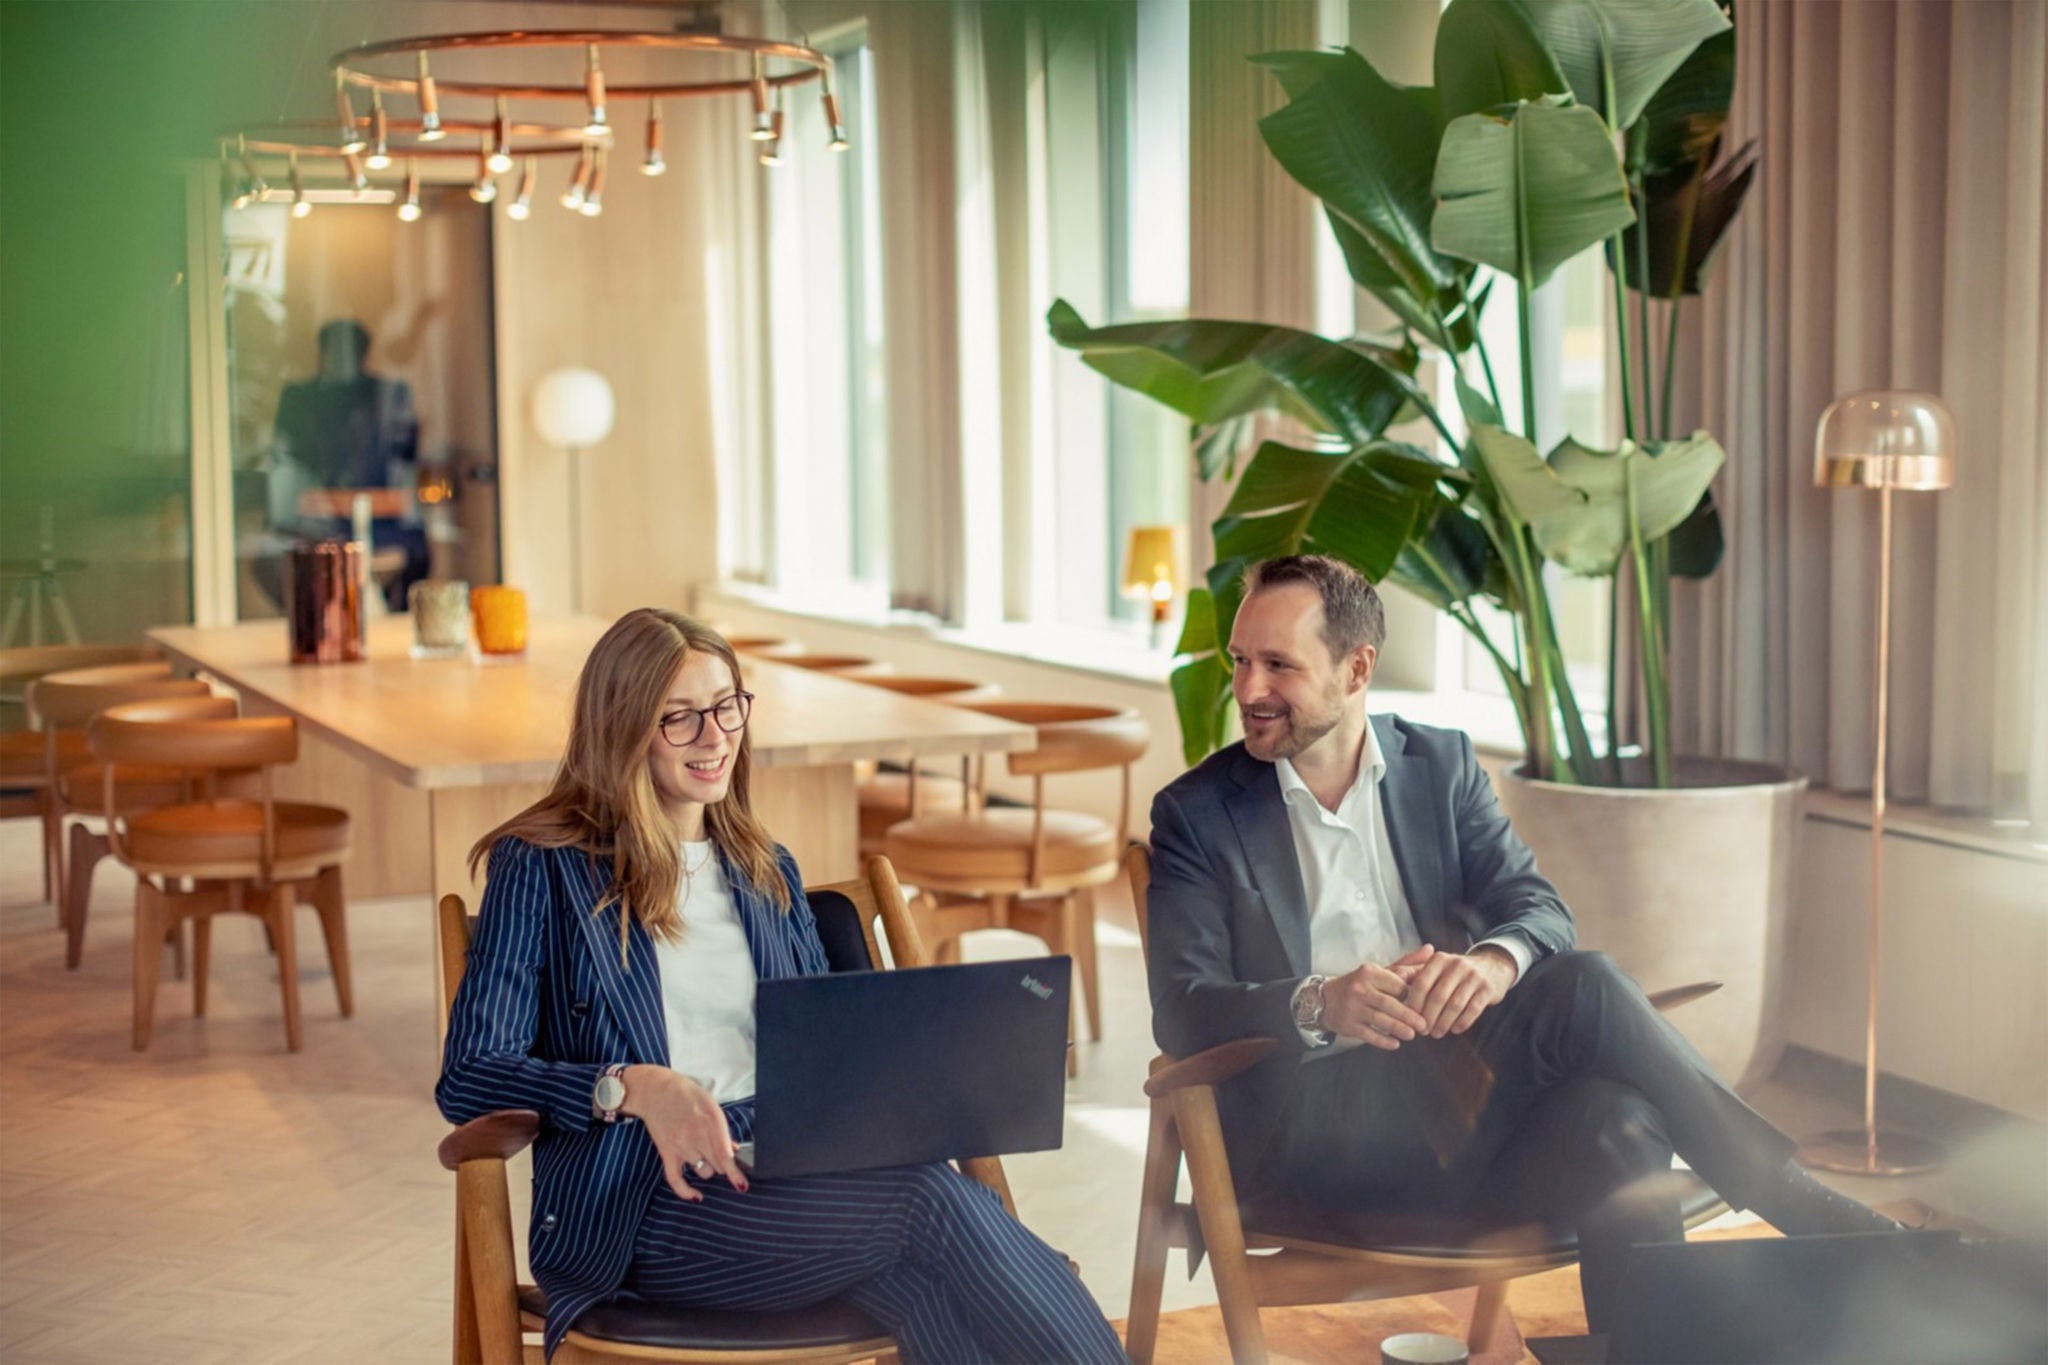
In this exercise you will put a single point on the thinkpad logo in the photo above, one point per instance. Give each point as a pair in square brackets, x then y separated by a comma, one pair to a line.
[1037, 987]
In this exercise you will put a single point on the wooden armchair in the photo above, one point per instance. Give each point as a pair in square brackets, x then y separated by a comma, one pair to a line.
[493, 1310]
[1318, 1256]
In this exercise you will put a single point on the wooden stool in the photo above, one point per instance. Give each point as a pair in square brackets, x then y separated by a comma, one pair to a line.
[1032, 870]
[62, 705]
[886, 797]
[259, 857]
[25, 790]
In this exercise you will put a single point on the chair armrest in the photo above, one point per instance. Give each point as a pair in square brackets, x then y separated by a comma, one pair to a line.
[492, 1136]
[1212, 1067]
[1666, 1001]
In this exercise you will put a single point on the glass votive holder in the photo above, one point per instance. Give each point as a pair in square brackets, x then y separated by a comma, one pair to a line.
[440, 618]
[499, 614]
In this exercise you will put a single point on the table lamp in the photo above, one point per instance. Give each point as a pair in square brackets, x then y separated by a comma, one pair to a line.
[572, 408]
[1152, 571]
[1883, 440]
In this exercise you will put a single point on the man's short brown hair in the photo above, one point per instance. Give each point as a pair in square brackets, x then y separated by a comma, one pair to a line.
[1352, 615]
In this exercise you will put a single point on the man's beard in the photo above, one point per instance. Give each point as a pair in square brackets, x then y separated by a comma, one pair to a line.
[1297, 732]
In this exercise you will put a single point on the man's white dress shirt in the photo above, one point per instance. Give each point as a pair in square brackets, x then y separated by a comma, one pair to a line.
[1357, 909]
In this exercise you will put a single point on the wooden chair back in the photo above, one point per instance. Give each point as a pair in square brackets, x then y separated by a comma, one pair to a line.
[118, 736]
[27, 663]
[1138, 867]
[66, 701]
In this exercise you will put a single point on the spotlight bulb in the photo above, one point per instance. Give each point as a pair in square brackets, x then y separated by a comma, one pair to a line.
[499, 141]
[300, 208]
[593, 95]
[764, 125]
[351, 133]
[409, 211]
[838, 142]
[523, 204]
[430, 106]
[380, 128]
[654, 164]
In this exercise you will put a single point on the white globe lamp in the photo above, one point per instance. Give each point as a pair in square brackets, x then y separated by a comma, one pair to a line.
[573, 408]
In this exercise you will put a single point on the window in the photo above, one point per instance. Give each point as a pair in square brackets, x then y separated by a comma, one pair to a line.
[1110, 190]
[829, 497]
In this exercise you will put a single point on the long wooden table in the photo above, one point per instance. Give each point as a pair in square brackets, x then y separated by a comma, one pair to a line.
[428, 755]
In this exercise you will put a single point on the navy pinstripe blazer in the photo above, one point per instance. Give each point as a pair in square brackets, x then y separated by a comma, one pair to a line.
[543, 1008]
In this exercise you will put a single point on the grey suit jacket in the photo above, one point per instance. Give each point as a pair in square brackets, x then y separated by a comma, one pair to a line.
[1228, 937]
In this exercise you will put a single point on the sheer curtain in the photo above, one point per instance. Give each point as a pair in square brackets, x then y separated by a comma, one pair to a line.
[1894, 238]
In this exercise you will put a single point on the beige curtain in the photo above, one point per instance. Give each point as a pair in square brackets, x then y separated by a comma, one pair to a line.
[1894, 239]
[1251, 228]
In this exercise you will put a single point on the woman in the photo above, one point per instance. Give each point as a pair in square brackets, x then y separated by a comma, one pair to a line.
[610, 986]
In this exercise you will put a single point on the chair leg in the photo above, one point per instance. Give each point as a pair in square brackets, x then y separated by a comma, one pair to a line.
[1486, 1310]
[202, 954]
[174, 939]
[282, 906]
[1066, 923]
[149, 939]
[1155, 1208]
[53, 852]
[77, 894]
[1085, 959]
[1201, 1133]
[45, 803]
[468, 1347]
[327, 899]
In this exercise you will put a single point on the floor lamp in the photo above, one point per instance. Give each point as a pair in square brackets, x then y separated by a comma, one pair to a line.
[1887, 441]
[572, 408]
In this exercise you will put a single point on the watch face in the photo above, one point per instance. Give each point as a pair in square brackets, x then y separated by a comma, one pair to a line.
[611, 1092]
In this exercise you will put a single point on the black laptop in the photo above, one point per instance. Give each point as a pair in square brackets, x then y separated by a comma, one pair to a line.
[860, 1070]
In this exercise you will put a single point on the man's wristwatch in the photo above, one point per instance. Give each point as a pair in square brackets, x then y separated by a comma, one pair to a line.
[1308, 1005]
[610, 1096]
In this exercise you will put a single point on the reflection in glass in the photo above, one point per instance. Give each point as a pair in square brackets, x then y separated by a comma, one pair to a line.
[362, 392]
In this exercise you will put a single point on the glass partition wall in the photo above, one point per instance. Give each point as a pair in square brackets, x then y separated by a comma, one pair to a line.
[359, 390]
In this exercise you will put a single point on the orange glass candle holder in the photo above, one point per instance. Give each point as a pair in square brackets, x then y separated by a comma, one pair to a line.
[499, 615]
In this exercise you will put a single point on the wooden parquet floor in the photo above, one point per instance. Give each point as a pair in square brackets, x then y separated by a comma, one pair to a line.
[216, 1198]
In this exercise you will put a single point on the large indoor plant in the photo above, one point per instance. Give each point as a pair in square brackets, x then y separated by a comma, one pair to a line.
[1553, 127]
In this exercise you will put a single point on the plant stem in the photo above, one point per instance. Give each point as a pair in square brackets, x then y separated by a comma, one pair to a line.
[1679, 267]
[1670, 366]
[1657, 702]
[1643, 294]
[1613, 677]
[1628, 414]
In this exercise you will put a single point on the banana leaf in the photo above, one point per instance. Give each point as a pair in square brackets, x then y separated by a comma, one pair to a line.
[1368, 149]
[1211, 371]
[1576, 502]
[1642, 43]
[1685, 218]
[1697, 544]
[1201, 701]
[1526, 190]
[1688, 113]
[1488, 53]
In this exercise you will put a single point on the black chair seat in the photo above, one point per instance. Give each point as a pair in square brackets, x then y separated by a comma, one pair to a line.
[832, 1323]
[1438, 1237]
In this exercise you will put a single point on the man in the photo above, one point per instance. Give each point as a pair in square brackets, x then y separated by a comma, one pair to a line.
[1348, 886]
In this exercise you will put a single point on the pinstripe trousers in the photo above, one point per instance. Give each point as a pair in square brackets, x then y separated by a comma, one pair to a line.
[927, 1252]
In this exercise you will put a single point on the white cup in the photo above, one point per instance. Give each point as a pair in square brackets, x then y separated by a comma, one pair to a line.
[1423, 1348]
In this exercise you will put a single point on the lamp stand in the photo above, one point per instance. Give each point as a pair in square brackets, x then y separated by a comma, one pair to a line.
[576, 530]
[1868, 1151]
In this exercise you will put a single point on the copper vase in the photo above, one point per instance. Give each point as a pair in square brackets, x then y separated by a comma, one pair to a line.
[325, 602]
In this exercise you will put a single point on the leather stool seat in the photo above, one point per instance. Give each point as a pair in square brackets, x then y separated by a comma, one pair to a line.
[21, 754]
[834, 1322]
[885, 799]
[210, 833]
[992, 848]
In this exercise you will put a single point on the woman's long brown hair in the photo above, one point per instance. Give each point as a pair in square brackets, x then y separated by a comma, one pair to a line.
[603, 799]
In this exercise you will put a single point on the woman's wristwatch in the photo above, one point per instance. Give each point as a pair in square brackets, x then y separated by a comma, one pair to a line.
[610, 1096]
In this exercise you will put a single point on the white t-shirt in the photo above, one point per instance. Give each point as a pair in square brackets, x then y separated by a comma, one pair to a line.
[707, 983]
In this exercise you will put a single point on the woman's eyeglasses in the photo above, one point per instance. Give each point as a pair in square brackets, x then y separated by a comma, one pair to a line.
[682, 728]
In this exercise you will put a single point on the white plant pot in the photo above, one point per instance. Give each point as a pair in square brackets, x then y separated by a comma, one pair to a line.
[1688, 884]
